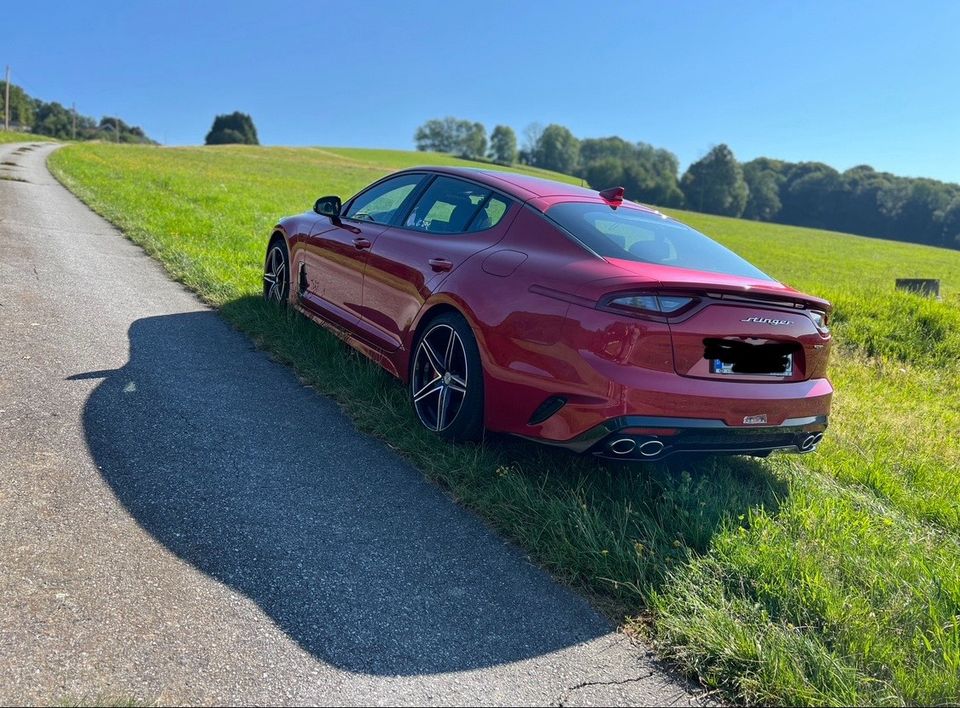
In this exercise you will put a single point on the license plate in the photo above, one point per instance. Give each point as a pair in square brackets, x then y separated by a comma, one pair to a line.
[718, 366]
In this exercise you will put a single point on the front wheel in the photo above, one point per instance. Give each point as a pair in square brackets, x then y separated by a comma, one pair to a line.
[276, 273]
[446, 379]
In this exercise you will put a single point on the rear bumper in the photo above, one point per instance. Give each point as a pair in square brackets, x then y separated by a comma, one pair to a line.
[644, 438]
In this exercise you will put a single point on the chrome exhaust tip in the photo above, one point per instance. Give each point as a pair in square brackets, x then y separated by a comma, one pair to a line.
[622, 446]
[817, 438]
[808, 443]
[651, 448]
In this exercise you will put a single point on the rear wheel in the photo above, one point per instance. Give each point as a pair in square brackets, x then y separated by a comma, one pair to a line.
[276, 273]
[446, 379]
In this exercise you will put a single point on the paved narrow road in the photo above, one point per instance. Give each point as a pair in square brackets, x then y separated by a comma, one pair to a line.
[182, 522]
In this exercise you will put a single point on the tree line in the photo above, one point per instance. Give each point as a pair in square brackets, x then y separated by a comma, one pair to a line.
[860, 200]
[37, 116]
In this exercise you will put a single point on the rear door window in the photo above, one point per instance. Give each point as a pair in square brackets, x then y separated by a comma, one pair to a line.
[452, 206]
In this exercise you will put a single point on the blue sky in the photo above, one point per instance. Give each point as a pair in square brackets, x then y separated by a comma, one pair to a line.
[841, 82]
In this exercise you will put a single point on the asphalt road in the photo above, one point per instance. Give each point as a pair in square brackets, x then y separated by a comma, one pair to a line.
[182, 522]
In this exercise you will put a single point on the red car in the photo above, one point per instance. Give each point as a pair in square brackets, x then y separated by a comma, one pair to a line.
[560, 314]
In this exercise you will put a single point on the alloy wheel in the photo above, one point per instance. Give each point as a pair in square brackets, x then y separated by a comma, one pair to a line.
[275, 275]
[439, 382]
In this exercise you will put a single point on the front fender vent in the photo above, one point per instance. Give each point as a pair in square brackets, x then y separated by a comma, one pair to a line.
[302, 279]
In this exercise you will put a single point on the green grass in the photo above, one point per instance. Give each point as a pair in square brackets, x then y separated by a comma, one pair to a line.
[832, 578]
[10, 136]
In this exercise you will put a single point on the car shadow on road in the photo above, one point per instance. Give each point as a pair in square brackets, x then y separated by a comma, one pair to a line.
[252, 478]
[237, 468]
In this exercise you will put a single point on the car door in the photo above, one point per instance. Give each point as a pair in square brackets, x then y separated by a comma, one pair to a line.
[452, 220]
[331, 260]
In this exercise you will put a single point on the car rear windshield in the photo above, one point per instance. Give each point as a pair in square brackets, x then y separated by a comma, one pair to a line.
[636, 235]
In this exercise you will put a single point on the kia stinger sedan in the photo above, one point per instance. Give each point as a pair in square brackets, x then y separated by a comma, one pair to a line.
[560, 314]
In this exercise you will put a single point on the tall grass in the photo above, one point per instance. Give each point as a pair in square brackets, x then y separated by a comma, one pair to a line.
[828, 579]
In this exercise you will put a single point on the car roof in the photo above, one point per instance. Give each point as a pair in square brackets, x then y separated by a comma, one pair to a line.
[541, 193]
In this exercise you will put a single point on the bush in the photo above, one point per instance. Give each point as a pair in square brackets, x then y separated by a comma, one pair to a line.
[230, 128]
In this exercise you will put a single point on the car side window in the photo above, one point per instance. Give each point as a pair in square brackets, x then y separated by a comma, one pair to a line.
[490, 214]
[379, 203]
[451, 206]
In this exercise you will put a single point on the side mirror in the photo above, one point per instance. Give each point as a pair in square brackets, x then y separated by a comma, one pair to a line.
[328, 206]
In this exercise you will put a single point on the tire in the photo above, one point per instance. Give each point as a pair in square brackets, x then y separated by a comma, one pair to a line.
[446, 379]
[276, 273]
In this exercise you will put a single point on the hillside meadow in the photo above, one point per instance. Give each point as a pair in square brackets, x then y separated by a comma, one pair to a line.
[12, 136]
[826, 579]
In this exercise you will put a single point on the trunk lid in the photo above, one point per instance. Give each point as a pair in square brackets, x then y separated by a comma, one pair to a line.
[741, 329]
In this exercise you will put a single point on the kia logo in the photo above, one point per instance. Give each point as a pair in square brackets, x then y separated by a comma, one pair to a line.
[767, 320]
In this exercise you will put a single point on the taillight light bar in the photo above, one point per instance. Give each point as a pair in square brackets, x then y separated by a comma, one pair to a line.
[647, 304]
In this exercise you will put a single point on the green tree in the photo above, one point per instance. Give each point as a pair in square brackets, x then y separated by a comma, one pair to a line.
[916, 209]
[812, 195]
[714, 184]
[21, 105]
[557, 150]
[614, 147]
[503, 145]
[437, 135]
[864, 187]
[604, 172]
[454, 136]
[473, 144]
[951, 224]
[647, 174]
[763, 182]
[234, 127]
[53, 119]
[655, 176]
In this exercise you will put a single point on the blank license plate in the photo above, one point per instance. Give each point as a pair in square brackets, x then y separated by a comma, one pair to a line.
[721, 367]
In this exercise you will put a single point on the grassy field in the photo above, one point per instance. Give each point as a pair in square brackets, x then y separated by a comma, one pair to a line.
[10, 136]
[832, 578]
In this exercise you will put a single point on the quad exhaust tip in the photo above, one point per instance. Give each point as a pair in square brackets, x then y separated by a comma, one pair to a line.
[622, 446]
[651, 448]
[625, 446]
[810, 442]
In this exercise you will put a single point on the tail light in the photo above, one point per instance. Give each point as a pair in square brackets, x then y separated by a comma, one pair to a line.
[821, 320]
[646, 304]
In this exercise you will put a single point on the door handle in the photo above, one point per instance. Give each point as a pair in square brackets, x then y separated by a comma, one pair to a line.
[440, 264]
[361, 243]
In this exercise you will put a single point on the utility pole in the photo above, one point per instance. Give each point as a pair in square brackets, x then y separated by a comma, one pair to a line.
[6, 102]
[74, 108]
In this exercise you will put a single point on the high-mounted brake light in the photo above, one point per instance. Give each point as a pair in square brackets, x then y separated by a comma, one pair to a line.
[614, 195]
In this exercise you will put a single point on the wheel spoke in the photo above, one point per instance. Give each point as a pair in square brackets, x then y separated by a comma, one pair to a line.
[448, 355]
[432, 357]
[458, 384]
[432, 387]
[441, 408]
